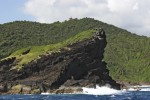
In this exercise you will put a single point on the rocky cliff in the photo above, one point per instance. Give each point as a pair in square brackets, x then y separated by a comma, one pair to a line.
[77, 65]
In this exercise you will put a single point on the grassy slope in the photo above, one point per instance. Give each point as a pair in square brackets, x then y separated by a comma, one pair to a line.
[20, 34]
[127, 54]
[36, 51]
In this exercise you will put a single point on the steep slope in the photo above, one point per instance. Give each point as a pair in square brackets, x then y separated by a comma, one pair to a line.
[127, 54]
[26, 55]
[80, 65]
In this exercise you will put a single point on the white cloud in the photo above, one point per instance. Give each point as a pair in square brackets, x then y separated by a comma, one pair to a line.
[129, 14]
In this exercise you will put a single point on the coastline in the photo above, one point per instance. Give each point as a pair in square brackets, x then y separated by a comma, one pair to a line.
[103, 90]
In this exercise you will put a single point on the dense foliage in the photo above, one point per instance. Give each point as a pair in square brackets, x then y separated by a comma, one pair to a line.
[127, 54]
[128, 57]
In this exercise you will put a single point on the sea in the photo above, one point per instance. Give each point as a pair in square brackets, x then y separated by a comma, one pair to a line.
[98, 93]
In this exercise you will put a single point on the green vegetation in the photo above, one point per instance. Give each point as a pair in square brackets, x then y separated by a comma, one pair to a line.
[127, 54]
[36, 51]
[20, 34]
[128, 58]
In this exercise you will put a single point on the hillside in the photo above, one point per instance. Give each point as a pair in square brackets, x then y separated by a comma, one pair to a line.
[127, 55]
[78, 63]
[16, 35]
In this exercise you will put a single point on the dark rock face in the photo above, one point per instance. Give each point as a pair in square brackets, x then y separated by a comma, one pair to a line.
[79, 65]
[26, 52]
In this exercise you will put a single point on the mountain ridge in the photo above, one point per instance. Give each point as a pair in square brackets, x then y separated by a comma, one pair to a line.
[126, 53]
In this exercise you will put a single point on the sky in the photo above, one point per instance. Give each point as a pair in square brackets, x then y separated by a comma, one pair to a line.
[133, 15]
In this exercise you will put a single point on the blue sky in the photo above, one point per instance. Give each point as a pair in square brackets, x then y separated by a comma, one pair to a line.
[11, 10]
[133, 15]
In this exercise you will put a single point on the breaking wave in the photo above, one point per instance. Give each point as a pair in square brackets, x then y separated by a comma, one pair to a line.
[104, 90]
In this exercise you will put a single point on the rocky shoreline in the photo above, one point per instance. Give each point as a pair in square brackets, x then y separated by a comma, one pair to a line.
[75, 66]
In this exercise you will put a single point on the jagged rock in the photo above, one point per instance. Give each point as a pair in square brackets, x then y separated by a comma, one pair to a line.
[6, 64]
[81, 66]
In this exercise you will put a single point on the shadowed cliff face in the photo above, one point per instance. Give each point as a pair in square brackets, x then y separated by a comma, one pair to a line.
[78, 65]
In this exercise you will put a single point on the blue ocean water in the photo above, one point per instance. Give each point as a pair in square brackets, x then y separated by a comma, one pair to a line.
[131, 95]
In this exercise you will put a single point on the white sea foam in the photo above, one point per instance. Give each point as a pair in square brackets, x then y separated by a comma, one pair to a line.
[139, 88]
[145, 89]
[45, 93]
[104, 90]
[142, 86]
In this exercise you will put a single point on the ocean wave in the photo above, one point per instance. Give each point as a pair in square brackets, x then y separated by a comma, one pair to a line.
[104, 90]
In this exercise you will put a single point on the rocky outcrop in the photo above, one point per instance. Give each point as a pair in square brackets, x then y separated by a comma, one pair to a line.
[78, 65]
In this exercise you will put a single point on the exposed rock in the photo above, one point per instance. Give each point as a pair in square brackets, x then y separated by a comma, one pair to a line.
[23, 89]
[4, 87]
[67, 90]
[79, 66]
[26, 52]
[6, 64]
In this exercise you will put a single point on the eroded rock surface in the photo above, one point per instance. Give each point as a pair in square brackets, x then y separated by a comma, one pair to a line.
[80, 65]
